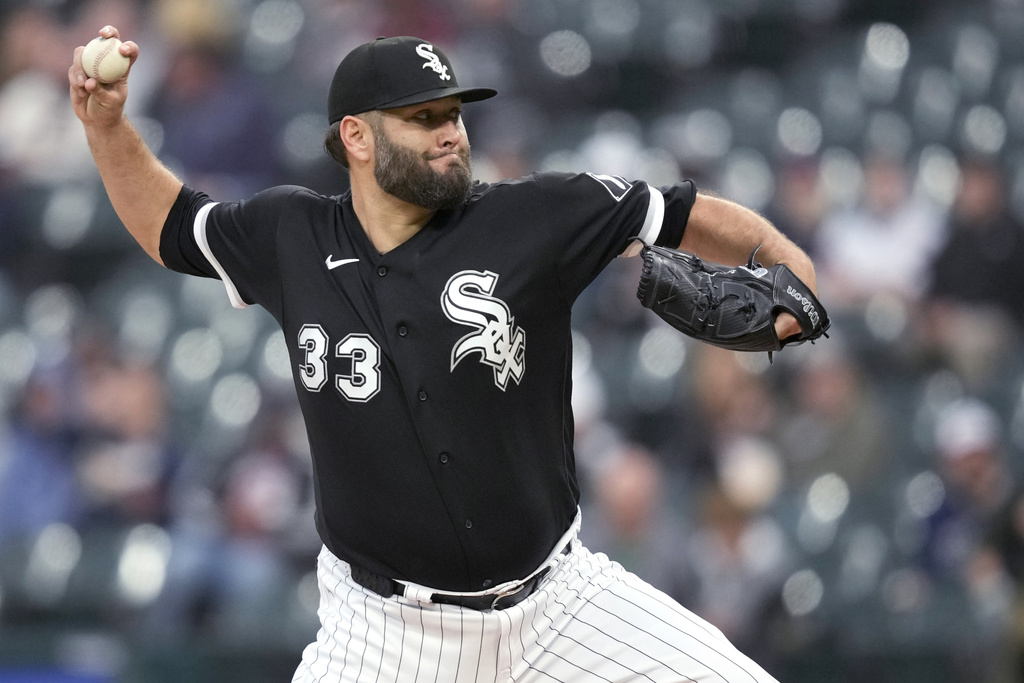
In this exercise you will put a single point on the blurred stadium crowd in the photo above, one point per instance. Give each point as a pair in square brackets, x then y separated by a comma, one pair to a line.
[851, 512]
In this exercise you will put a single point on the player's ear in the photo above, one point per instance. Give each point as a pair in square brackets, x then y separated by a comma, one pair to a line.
[357, 137]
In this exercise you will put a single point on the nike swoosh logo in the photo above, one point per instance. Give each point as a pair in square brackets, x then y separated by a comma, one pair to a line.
[332, 264]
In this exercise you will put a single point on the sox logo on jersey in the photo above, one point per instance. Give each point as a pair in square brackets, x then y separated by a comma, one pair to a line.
[467, 300]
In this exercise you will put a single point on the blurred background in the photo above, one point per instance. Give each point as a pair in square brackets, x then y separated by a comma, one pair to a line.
[851, 512]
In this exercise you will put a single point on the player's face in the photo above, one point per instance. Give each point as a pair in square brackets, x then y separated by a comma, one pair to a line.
[422, 155]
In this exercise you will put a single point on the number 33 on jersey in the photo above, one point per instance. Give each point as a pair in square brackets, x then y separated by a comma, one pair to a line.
[466, 300]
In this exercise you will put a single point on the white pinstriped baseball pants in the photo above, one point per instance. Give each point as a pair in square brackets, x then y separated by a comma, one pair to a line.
[589, 620]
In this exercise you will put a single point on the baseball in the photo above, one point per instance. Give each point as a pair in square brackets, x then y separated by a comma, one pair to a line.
[103, 61]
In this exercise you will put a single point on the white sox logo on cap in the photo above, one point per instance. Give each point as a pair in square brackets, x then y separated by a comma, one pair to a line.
[426, 50]
[389, 73]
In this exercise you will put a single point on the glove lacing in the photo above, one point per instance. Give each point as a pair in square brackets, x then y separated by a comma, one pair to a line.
[749, 306]
[707, 303]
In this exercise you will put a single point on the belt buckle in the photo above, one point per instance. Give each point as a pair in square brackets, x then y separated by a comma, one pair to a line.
[527, 586]
[507, 593]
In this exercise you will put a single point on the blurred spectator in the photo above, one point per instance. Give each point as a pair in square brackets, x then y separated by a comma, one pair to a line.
[128, 456]
[739, 555]
[38, 482]
[39, 142]
[231, 561]
[732, 398]
[971, 453]
[976, 306]
[999, 562]
[50, 198]
[836, 422]
[799, 204]
[980, 263]
[883, 245]
[1004, 551]
[972, 462]
[630, 520]
[219, 127]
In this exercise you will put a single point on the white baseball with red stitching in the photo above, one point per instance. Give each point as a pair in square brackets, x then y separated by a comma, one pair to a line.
[102, 60]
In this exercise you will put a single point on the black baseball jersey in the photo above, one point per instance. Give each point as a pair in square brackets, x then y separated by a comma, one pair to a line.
[435, 379]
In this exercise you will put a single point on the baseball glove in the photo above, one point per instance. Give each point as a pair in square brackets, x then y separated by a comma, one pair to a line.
[731, 307]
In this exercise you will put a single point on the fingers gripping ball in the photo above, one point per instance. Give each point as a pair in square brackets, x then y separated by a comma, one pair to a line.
[102, 60]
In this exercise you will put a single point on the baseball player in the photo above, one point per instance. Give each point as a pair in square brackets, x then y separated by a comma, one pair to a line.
[428, 326]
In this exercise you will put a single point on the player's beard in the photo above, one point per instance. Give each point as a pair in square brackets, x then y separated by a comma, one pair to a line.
[402, 172]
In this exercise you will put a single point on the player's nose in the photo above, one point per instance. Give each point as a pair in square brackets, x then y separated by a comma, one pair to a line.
[450, 134]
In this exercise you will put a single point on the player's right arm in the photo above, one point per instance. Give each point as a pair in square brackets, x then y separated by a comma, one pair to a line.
[141, 189]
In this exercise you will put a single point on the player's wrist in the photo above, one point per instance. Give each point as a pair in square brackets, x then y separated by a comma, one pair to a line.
[107, 124]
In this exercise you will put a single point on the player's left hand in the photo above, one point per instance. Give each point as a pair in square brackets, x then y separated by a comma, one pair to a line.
[748, 308]
[786, 325]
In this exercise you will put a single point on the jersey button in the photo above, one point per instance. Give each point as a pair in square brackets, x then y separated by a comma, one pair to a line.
[469, 524]
[487, 583]
[443, 458]
[402, 330]
[382, 271]
[423, 395]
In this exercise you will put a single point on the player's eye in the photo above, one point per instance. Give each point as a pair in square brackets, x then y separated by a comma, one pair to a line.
[431, 118]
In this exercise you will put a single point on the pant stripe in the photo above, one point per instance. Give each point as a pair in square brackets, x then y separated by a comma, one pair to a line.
[460, 645]
[419, 655]
[365, 640]
[502, 668]
[401, 646]
[324, 644]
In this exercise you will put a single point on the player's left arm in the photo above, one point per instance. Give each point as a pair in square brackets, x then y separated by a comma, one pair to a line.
[722, 231]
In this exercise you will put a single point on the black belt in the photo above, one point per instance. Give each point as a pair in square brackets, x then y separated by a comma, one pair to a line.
[386, 588]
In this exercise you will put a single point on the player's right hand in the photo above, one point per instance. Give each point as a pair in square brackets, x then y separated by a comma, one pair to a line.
[97, 103]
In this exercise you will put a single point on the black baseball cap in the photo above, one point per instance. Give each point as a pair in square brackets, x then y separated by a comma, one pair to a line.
[394, 72]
